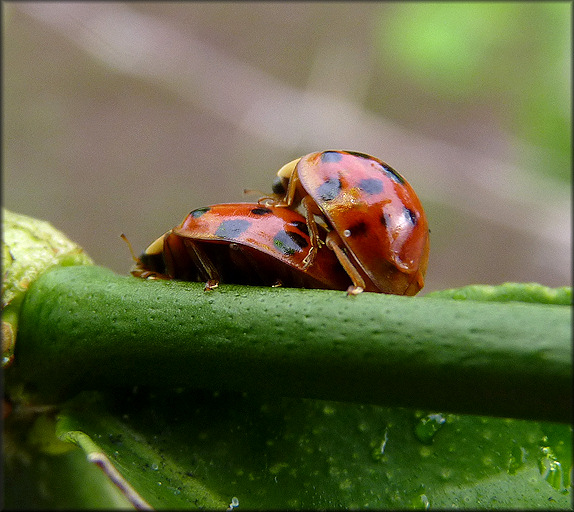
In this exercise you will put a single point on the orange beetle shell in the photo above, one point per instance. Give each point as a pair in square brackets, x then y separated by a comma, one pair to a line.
[374, 210]
[241, 243]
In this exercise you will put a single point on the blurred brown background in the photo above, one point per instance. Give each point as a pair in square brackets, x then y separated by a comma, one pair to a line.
[123, 117]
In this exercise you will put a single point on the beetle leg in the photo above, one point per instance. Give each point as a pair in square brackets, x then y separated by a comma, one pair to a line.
[334, 243]
[264, 198]
[289, 172]
[292, 188]
[268, 200]
[206, 265]
[211, 284]
[289, 198]
[311, 210]
[202, 262]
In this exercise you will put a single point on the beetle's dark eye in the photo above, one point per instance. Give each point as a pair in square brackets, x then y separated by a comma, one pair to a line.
[279, 185]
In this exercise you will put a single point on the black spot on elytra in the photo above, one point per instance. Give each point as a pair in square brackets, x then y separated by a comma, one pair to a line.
[289, 242]
[261, 211]
[199, 212]
[358, 229]
[410, 216]
[371, 186]
[301, 226]
[331, 157]
[394, 175]
[330, 189]
[232, 228]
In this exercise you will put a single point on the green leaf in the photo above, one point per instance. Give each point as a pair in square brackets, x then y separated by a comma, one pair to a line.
[188, 449]
[34, 480]
[29, 247]
[112, 442]
[509, 292]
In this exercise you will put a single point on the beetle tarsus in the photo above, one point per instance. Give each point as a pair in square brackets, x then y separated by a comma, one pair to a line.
[211, 284]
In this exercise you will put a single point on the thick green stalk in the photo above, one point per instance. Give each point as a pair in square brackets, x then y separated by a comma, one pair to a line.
[88, 328]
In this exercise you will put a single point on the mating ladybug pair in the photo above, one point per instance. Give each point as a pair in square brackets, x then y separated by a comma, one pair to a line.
[336, 219]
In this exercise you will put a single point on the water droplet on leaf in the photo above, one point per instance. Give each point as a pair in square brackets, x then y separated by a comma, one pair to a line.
[551, 469]
[425, 501]
[380, 447]
[428, 426]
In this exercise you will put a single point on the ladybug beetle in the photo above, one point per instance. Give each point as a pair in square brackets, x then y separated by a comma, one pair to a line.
[241, 243]
[375, 222]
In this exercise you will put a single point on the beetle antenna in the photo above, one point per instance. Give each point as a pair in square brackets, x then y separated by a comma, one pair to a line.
[267, 199]
[125, 239]
[253, 191]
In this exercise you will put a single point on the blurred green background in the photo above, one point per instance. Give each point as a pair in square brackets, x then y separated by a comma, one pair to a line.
[123, 117]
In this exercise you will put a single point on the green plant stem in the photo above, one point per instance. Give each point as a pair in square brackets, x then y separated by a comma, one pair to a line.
[88, 328]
